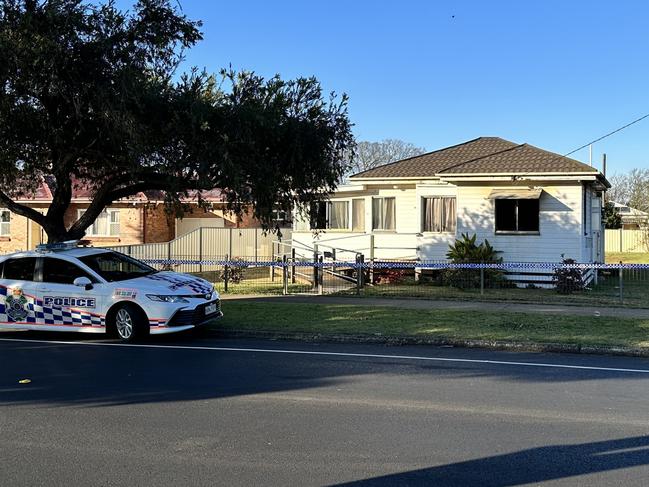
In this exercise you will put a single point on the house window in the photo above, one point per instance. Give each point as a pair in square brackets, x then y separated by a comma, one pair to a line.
[318, 215]
[338, 214]
[281, 217]
[358, 215]
[439, 214]
[106, 224]
[517, 215]
[383, 214]
[5, 223]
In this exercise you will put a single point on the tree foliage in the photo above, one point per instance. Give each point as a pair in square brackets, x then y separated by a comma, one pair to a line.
[631, 188]
[368, 155]
[91, 95]
[612, 217]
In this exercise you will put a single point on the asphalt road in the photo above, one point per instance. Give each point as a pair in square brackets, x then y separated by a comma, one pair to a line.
[202, 411]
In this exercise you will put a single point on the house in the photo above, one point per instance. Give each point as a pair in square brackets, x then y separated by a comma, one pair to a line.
[632, 218]
[532, 205]
[134, 220]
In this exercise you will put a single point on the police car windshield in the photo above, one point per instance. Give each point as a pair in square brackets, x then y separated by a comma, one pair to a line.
[114, 266]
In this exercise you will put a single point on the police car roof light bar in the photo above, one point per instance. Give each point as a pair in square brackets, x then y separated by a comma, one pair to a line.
[58, 246]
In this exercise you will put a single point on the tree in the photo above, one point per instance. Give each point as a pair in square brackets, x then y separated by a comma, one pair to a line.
[369, 155]
[612, 217]
[91, 95]
[631, 189]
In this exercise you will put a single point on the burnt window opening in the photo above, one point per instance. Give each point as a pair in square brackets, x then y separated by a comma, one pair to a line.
[517, 215]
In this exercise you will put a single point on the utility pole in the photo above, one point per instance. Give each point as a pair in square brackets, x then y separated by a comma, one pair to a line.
[604, 173]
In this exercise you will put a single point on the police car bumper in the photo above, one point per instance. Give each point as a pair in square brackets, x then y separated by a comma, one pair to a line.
[186, 319]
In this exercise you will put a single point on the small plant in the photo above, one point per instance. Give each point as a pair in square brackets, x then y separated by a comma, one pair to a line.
[234, 273]
[568, 280]
[466, 251]
[391, 276]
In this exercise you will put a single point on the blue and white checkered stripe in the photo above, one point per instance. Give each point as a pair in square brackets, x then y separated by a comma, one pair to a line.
[37, 313]
[177, 282]
[390, 264]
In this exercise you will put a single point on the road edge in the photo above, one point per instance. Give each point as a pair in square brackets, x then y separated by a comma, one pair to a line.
[417, 340]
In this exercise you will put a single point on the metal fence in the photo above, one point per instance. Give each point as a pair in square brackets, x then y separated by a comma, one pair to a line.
[207, 243]
[556, 283]
[626, 240]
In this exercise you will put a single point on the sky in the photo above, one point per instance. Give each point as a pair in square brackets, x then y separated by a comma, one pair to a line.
[554, 74]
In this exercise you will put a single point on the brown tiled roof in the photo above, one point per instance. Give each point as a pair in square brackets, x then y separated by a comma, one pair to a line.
[485, 155]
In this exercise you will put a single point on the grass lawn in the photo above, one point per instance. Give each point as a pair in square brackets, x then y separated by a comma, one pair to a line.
[454, 324]
[605, 293]
[627, 258]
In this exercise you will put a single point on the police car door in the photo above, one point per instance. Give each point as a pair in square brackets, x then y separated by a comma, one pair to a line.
[63, 302]
[18, 301]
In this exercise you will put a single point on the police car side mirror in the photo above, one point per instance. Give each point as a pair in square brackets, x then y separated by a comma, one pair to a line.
[83, 282]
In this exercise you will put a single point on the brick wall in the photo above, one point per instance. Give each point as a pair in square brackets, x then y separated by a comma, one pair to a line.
[130, 224]
[159, 225]
[24, 233]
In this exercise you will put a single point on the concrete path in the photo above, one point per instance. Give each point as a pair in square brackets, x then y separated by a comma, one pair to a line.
[456, 305]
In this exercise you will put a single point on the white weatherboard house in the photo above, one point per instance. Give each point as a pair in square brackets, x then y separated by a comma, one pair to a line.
[531, 204]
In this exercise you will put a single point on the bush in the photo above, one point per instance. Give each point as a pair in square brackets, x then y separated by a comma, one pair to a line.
[466, 251]
[234, 273]
[391, 276]
[568, 280]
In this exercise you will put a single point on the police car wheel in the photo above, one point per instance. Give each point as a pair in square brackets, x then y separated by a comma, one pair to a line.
[129, 323]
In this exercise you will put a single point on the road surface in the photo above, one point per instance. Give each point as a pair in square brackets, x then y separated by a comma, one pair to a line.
[188, 410]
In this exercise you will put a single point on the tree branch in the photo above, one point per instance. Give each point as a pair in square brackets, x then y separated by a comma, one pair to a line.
[22, 210]
[106, 195]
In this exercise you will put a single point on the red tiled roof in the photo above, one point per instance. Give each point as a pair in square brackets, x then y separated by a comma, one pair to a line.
[42, 193]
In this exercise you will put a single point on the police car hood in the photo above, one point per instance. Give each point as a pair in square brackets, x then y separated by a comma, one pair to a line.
[167, 282]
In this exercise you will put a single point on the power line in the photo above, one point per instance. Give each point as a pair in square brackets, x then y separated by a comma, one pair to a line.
[607, 135]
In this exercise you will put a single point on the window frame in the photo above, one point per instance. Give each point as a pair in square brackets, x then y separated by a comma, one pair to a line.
[5, 223]
[516, 219]
[109, 223]
[423, 215]
[351, 218]
[391, 230]
[330, 203]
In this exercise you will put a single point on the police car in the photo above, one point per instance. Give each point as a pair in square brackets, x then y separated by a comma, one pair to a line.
[67, 287]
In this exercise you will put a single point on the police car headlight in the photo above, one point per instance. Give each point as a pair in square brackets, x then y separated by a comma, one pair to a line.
[166, 299]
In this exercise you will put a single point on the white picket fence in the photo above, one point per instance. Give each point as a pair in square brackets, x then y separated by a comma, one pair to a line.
[208, 243]
[622, 240]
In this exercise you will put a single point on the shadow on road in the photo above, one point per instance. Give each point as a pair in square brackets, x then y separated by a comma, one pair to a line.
[104, 375]
[527, 466]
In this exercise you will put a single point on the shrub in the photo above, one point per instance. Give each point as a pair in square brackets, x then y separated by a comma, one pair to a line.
[466, 251]
[234, 273]
[568, 280]
[391, 276]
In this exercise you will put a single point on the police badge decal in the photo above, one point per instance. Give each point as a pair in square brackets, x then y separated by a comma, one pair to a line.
[16, 305]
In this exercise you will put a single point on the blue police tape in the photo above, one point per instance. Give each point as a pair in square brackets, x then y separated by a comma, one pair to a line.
[386, 264]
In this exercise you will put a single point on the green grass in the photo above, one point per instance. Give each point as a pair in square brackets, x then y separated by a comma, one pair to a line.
[627, 258]
[450, 324]
[605, 293]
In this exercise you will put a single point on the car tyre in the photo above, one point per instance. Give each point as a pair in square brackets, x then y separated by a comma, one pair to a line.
[130, 323]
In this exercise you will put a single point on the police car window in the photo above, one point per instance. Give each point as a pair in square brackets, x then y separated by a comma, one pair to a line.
[61, 271]
[113, 266]
[20, 269]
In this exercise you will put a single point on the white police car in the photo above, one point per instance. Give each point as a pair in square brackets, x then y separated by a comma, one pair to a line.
[63, 287]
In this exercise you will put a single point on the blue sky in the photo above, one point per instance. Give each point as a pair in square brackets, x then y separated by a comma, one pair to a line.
[555, 74]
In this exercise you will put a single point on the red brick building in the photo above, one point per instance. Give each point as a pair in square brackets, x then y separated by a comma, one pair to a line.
[135, 220]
